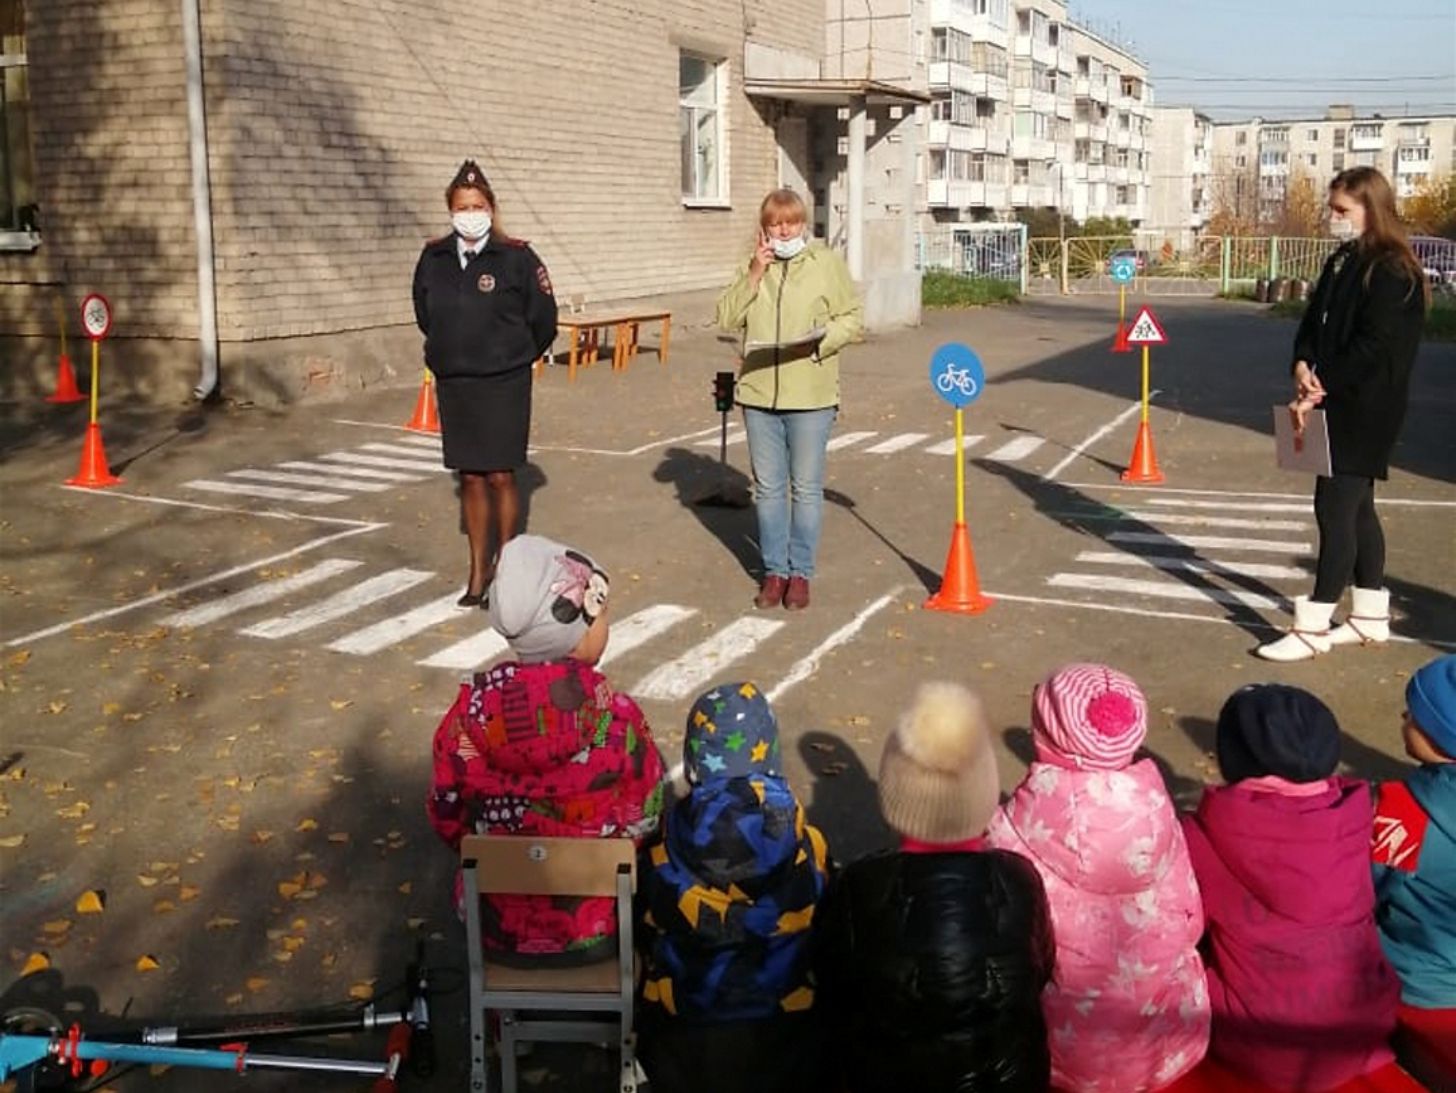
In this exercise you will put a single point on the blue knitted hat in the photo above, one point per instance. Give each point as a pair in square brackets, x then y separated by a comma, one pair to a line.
[1430, 696]
[731, 733]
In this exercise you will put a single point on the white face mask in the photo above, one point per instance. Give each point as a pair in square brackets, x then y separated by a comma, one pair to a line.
[785, 249]
[1343, 230]
[471, 224]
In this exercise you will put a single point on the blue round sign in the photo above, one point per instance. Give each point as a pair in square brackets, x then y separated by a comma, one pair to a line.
[957, 375]
[1123, 268]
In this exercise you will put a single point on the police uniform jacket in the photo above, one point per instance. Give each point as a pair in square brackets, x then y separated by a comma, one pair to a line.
[495, 315]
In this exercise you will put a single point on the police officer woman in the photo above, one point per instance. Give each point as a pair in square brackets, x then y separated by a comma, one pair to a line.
[484, 303]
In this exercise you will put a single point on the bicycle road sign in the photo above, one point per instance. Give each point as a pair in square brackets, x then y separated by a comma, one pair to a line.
[957, 375]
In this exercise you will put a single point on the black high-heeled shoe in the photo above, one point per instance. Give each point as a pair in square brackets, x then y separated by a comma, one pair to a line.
[471, 599]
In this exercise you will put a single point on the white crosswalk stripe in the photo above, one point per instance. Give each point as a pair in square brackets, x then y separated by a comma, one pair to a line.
[270, 493]
[686, 674]
[947, 447]
[259, 594]
[1181, 562]
[403, 451]
[1238, 505]
[1017, 449]
[367, 460]
[1162, 589]
[1195, 520]
[428, 441]
[897, 443]
[845, 440]
[392, 631]
[1208, 542]
[371, 473]
[641, 627]
[329, 482]
[474, 652]
[338, 605]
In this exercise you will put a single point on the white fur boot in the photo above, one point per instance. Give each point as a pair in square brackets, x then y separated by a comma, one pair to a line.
[1309, 636]
[1368, 622]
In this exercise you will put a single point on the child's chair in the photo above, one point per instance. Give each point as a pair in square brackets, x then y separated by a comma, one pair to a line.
[549, 1004]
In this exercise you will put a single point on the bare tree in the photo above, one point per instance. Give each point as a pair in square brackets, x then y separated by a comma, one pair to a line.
[1233, 198]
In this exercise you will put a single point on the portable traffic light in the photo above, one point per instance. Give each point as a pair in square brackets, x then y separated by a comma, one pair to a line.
[723, 392]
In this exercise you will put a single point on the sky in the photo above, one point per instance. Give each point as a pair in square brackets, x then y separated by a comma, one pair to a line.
[1289, 58]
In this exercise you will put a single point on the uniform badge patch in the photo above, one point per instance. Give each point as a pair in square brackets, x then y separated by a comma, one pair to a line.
[486, 283]
[543, 279]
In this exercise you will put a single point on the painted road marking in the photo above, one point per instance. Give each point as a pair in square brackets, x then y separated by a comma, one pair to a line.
[808, 665]
[392, 631]
[432, 441]
[897, 443]
[1208, 542]
[641, 627]
[683, 676]
[474, 652]
[1019, 448]
[403, 451]
[1157, 490]
[947, 447]
[1183, 562]
[384, 461]
[1238, 506]
[351, 472]
[1165, 589]
[844, 440]
[1195, 520]
[270, 493]
[338, 605]
[259, 594]
[330, 482]
[1093, 438]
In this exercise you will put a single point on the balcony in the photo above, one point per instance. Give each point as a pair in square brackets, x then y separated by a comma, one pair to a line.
[954, 13]
[1094, 131]
[1043, 102]
[1088, 88]
[1031, 195]
[1038, 148]
[966, 138]
[959, 194]
[1043, 53]
[954, 76]
[1366, 141]
[1413, 142]
[1066, 108]
[1122, 138]
[1412, 166]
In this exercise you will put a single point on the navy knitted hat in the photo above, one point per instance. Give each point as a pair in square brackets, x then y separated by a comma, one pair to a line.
[1268, 728]
[731, 733]
[1430, 696]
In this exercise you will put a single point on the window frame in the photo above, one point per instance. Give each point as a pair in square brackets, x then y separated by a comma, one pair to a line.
[719, 67]
[18, 240]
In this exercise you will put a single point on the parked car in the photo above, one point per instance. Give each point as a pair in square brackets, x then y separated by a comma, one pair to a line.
[1142, 257]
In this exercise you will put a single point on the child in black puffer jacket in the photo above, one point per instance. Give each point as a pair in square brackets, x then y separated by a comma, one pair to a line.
[931, 959]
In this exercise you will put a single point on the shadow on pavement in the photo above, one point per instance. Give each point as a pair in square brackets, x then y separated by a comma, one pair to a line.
[695, 475]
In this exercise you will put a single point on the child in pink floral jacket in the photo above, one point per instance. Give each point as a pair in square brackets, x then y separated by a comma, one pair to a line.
[1127, 1009]
[542, 745]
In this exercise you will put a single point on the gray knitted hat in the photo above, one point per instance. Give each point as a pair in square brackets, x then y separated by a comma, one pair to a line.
[545, 597]
[938, 777]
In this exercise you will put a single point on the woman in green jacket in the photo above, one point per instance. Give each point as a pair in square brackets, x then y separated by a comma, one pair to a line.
[796, 307]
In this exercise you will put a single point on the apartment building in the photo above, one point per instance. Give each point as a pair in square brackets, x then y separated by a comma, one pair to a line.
[250, 181]
[1030, 110]
[1260, 157]
[1180, 201]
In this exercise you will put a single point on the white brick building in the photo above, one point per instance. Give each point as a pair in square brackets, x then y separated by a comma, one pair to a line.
[1182, 159]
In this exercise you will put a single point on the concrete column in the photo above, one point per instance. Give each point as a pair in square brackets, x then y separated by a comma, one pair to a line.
[910, 145]
[856, 179]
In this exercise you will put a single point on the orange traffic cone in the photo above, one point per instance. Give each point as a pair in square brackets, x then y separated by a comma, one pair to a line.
[426, 418]
[95, 472]
[1120, 343]
[66, 389]
[1143, 468]
[960, 588]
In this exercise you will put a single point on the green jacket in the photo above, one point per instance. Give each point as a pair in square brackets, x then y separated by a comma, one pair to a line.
[809, 291]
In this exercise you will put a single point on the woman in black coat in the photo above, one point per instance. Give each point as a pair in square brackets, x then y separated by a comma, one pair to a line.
[484, 303]
[1352, 359]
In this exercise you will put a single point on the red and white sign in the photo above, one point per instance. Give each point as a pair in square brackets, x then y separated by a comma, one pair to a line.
[1146, 330]
[95, 316]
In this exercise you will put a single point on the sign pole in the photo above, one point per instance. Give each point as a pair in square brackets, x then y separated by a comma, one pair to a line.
[1143, 466]
[95, 376]
[960, 458]
[958, 377]
[1145, 384]
[94, 472]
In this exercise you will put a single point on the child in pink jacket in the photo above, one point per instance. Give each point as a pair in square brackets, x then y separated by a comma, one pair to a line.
[1127, 1008]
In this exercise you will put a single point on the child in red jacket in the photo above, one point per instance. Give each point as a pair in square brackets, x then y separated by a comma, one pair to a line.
[542, 745]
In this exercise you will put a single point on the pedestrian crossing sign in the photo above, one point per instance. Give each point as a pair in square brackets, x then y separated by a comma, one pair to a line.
[1146, 330]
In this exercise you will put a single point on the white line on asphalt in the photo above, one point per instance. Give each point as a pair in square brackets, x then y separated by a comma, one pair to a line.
[267, 514]
[404, 451]
[1208, 542]
[641, 627]
[373, 425]
[338, 605]
[558, 448]
[392, 631]
[896, 443]
[1093, 438]
[330, 482]
[474, 652]
[259, 594]
[947, 447]
[680, 677]
[735, 435]
[1150, 490]
[1018, 448]
[1096, 582]
[385, 461]
[430, 441]
[270, 493]
[844, 440]
[808, 665]
[1193, 565]
[201, 582]
[1238, 506]
[352, 472]
[1193, 520]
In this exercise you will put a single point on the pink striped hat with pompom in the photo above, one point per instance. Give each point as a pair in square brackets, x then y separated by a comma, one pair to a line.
[1088, 716]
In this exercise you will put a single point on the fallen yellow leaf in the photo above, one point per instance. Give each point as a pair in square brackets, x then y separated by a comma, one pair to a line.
[188, 892]
[306, 825]
[89, 903]
[233, 999]
[328, 960]
[414, 923]
[10, 842]
[147, 964]
[17, 659]
[146, 881]
[288, 889]
[57, 926]
[334, 836]
[340, 703]
[283, 957]
[110, 708]
[405, 888]
[256, 983]
[74, 812]
[292, 944]
[362, 991]
[163, 906]
[57, 706]
[260, 837]
[221, 922]
[36, 962]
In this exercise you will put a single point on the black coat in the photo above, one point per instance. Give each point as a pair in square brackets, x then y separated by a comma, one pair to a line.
[1360, 334]
[930, 971]
[496, 315]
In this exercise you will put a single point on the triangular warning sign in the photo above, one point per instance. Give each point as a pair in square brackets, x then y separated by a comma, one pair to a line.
[1146, 330]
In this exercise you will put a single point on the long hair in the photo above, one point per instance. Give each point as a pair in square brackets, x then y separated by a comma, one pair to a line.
[1384, 237]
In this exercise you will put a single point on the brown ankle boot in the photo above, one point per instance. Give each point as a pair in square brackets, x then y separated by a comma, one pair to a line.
[771, 592]
[796, 598]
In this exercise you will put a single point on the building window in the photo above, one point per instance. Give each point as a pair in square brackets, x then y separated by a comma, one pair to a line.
[1339, 161]
[1311, 159]
[1339, 138]
[1312, 136]
[1241, 137]
[19, 219]
[1241, 161]
[700, 128]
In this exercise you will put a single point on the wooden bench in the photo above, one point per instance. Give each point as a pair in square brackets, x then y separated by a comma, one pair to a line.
[584, 335]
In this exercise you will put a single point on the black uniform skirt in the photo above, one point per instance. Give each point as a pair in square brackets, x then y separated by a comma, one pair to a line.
[485, 421]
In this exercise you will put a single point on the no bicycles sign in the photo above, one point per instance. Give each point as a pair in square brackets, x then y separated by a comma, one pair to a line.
[957, 374]
[96, 316]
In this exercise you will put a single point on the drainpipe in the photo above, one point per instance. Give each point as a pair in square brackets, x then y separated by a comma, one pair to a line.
[201, 201]
[857, 133]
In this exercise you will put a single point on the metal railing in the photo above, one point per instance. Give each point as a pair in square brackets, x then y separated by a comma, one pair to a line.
[993, 251]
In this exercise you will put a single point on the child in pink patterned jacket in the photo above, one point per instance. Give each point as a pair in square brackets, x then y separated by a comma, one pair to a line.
[1127, 1009]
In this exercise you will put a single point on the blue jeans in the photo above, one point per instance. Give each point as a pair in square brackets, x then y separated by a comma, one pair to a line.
[787, 449]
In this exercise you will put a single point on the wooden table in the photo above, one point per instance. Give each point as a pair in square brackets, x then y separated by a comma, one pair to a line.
[584, 337]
